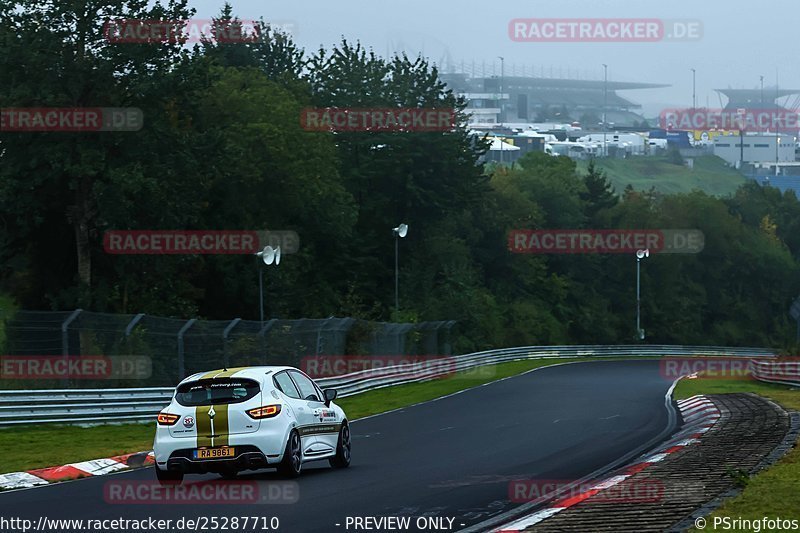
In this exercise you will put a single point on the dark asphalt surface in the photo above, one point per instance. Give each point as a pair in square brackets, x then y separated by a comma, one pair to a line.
[452, 458]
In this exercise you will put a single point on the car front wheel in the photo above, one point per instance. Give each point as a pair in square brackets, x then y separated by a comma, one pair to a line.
[292, 462]
[342, 457]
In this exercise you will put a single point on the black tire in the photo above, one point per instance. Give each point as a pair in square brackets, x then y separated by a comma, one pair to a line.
[169, 477]
[343, 447]
[292, 463]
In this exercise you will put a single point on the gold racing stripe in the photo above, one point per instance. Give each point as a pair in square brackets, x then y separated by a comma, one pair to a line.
[220, 422]
[222, 373]
[221, 427]
[205, 436]
[203, 422]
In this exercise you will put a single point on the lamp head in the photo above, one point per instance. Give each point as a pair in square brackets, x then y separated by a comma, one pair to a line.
[271, 255]
[401, 230]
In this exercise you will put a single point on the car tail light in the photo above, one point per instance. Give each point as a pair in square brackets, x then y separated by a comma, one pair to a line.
[167, 419]
[268, 411]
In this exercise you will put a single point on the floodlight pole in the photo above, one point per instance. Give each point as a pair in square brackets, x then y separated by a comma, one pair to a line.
[639, 255]
[267, 256]
[502, 117]
[261, 291]
[502, 79]
[396, 272]
[638, 296]
[777, 133]
[605, 104]
[399, 232]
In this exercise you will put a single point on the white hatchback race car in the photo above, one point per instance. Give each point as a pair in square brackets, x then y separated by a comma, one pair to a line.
[249, 418]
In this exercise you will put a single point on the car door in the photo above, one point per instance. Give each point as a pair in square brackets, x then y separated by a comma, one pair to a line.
[305, 416]
[325, 426]
[330, 422]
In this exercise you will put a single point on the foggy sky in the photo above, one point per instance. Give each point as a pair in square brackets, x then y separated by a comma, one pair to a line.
[741, 41]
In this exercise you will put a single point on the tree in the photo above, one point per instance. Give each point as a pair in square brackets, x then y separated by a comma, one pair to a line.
[599, 194]
[74, 66]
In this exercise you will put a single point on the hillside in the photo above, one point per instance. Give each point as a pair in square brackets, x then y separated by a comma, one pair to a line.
[710, 174]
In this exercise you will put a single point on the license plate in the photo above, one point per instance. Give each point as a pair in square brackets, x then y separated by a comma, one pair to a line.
[214, 453]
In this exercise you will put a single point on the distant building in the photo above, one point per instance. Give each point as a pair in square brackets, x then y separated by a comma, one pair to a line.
[756, 98]
[537, 99]
[755, 148]
[764, 102]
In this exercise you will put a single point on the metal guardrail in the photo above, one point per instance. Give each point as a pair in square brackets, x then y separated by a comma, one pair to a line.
[780, 372]
[97, 406]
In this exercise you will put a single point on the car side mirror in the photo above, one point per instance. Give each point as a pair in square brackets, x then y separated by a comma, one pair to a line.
[330, 395]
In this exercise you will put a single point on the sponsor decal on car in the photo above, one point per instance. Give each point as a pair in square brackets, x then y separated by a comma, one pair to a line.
[317, 430]
[327, 415]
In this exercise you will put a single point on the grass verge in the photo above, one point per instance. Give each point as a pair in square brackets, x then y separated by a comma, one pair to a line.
[710, 174]
[28, 447]
[773, 492]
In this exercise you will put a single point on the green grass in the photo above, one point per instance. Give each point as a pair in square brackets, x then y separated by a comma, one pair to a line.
[774, 492]
[710, 174]
[30, 447]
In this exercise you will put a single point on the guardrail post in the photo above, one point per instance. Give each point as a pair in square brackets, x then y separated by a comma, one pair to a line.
[181, 365]
[64, 332]
[65, 339]
[225, 333]
[448, 345]
[132, 324]
[263, 336]
[319, 334]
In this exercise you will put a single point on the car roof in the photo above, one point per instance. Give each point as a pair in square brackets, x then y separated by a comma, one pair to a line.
[255, 372]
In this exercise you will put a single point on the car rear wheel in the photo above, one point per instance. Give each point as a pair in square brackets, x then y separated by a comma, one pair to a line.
[169, 477]
[342, 457]
[292, 462]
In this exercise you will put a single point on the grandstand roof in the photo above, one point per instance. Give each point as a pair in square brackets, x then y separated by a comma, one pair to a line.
[562, 83]
[752, 98]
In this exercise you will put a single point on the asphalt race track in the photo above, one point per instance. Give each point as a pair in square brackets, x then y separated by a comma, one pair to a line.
[450, 458]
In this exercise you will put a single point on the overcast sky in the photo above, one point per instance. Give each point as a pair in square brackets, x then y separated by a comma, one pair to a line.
[741, 39]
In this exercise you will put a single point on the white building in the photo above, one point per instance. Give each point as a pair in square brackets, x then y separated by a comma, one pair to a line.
[481, 108]
[754, 148]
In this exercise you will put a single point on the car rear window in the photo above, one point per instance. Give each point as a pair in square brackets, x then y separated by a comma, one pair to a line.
[216, 391]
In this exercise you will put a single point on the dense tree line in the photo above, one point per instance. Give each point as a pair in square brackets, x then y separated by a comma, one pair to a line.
[223, 148]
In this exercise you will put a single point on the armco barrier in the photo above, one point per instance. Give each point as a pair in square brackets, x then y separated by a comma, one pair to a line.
[780, 372]
[97, 406]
